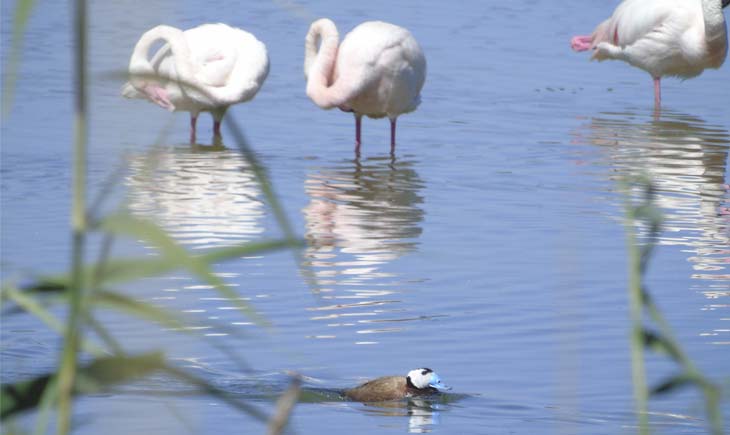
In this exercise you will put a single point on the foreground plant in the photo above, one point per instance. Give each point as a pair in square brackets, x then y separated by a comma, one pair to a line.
[644, 219]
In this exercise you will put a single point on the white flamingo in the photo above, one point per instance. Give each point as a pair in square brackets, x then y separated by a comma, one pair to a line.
[663, 37]
[204, 69]
[378, 70]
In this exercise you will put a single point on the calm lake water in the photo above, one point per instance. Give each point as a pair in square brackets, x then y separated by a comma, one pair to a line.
[490, 249]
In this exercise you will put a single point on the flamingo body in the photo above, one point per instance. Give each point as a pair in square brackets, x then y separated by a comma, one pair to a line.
[204, 69]
[679, 38]
[378, 70]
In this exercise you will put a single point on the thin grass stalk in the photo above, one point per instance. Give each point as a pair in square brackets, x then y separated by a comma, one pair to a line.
[67, 367]
[284, 407]
[638, 371]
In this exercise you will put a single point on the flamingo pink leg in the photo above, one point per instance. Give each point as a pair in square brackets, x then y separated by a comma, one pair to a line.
[392, 135]
[358, 130]
[581, 43]
[193, 121]
[216, 129]
[657, 91]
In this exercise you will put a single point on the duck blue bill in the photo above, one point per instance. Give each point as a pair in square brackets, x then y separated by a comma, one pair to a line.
[436, 383]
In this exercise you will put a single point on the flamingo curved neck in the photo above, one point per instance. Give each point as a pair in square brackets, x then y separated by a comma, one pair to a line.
[140, 64]
[715, 31]
[712, 11]
[319, 65]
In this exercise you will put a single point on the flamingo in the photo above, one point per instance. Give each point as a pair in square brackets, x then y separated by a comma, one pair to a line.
[378, 70]
[204, 69]
[663, 37]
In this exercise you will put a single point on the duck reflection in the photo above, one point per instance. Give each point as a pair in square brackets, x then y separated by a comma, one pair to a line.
[423, 414]
[206, 197]
[361, 216]
[687, 159]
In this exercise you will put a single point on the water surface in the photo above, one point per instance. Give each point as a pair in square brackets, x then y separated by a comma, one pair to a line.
[489, 248]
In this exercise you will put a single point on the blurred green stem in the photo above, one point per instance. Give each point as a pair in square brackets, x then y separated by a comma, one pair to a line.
[638, 372]
[67, 368]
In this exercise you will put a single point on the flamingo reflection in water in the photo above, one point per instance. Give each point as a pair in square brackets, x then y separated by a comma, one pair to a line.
[360, 217]
[687, 160]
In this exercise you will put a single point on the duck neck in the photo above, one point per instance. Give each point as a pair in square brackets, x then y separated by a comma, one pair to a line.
[409, 384]
[425, 390]
[139, 63]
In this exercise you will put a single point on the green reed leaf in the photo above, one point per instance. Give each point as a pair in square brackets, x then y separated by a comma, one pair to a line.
[91, 378]
[662, 344]
[126, 270]
[29, 304]
[123, 303]
[676, 382]
[171, 250]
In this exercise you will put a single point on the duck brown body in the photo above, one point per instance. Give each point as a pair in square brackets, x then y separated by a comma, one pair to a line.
[386, 388]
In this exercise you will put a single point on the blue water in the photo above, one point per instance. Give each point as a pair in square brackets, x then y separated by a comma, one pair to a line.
[491, 248]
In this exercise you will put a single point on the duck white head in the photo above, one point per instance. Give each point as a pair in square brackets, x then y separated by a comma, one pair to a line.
[424, 378]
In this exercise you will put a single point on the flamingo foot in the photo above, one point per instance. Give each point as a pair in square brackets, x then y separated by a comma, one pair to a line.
[581, 43]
